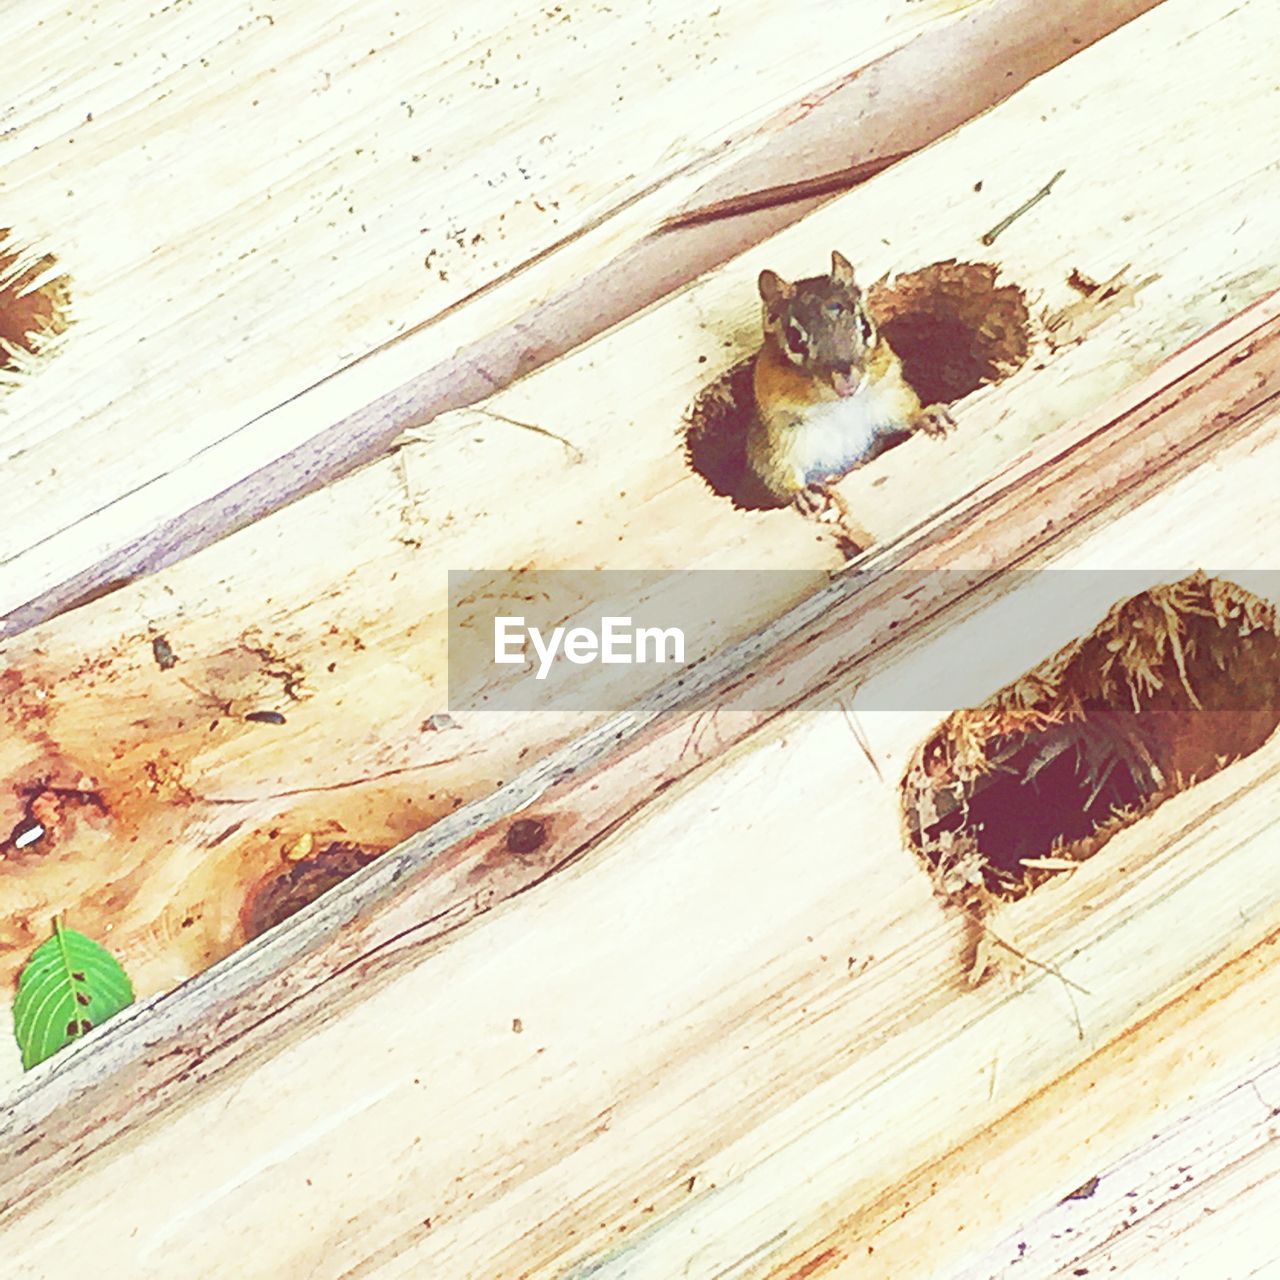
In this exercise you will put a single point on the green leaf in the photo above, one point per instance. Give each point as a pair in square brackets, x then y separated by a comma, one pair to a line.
[69, 986]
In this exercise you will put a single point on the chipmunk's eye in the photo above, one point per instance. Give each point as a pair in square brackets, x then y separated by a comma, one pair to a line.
[836, 308]
[796, 339]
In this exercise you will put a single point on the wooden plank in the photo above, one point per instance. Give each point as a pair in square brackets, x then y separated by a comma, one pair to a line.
[418, 183]
[1204, 419]
[308, 614]
[737, 1037]
[1178, 1053]
[204, 809]
[1192, 1200]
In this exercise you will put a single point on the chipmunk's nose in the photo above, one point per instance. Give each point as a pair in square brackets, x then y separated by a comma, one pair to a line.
[845, 384]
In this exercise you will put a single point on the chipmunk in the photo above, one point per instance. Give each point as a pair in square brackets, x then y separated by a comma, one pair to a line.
[828, 388]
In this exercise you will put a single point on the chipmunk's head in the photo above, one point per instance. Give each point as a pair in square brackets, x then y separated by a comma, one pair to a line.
[820, 325]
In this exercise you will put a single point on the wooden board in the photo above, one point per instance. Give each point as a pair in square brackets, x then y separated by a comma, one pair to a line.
[687, 1033]
[177, 814]
[1194, 1200]
[734, 1033]
[289, 232]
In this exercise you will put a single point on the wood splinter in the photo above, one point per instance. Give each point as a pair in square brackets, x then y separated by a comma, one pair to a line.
[825, 184]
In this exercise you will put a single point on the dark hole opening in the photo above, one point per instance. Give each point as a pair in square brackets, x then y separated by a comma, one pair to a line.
[526, 835]
[1023, 779]
[30, 317]
[276, 897]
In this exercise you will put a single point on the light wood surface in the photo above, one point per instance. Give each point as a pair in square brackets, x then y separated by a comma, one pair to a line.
[292, 226]
[773, 962]
[686, 997]
[331, 612]
[1196, 1200]
[735, 1033]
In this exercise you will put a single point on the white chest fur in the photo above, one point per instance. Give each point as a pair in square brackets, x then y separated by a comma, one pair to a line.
[836, 435]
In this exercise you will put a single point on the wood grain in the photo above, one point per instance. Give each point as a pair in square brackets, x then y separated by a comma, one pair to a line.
[670, 934]
[332, 613]
[1192, 1201]
[289, 235]
[777, 981]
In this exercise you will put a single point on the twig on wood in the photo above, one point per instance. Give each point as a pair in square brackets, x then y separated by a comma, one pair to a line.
[959, 880]
[855, 728]
[1067, 984]
[1272, 1112]
[1005, 223]
[704, 720]
[574, 452]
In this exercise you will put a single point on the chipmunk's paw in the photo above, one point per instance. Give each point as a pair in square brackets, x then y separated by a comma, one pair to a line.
[820, 502]
[814, 500]
[935, 421]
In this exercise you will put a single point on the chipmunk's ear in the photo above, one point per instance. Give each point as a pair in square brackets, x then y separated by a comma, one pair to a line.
[774, 289]
[842, 272]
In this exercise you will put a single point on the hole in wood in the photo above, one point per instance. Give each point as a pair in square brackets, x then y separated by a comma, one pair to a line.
[277, 897]
[34, 305]
[954, 328]
[526, 835]
[1173, 685]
